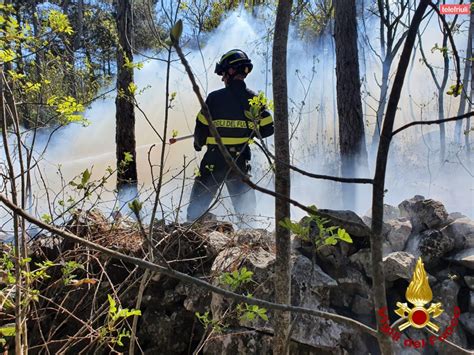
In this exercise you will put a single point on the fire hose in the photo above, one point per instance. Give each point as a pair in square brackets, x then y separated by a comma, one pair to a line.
[182, 138]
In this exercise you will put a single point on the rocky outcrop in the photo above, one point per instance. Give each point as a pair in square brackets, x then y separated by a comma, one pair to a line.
[399, 265]
[331, 278]
[338, 278]
[399, 231]
[424, 214]
[464, 258]
[461, 231]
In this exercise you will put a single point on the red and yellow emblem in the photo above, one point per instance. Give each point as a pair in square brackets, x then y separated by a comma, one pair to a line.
[419, 294]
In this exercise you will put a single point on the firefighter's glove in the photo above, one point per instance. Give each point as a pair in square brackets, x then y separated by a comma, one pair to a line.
[197, 147]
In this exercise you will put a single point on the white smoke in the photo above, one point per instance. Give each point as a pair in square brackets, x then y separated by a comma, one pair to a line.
[413, 168]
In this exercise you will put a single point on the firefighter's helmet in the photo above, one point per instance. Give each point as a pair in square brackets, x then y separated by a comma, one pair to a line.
[236, 59]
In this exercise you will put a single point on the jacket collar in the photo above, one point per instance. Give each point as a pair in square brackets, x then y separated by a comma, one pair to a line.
[237, 85]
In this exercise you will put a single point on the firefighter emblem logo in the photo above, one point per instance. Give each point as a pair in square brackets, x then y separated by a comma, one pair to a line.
[419, 294]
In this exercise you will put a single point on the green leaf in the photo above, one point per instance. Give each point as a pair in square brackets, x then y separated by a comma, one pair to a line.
[176, 31]
[343, 235]
[263, 316]
[453, 92]
[59, 22]
[24, 261]
[86, 175]
[127, 157]
[112, 305]
[46, 218]
[8, 330]
[135, 206]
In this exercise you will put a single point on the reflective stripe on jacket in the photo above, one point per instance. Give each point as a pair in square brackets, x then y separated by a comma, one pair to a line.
[227, 108]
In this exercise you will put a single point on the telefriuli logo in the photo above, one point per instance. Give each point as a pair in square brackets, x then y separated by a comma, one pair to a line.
[455, 9]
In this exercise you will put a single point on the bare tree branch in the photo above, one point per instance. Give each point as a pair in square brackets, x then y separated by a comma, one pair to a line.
[418, 123]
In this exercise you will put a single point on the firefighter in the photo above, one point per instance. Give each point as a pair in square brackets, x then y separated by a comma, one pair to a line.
[227, 108]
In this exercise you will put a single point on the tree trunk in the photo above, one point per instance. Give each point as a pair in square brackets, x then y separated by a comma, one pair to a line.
[386, 64]
[349, 103]
[79, 25]
[8, 98]
[124, 102]
[282, 176]
[69, 75]
[380, 301]
[464, 95]
[442, 128]
[468, 121]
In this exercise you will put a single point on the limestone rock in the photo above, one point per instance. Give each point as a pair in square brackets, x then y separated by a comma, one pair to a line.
[153, 333]
[434, 245]
[467, 320]
[456, 215]
[310, 285]
[446, 292]
[400, 349]
[310, 288]
[348, 220]
[361, 260]
[255, 237]
[362, 305]
[258, 261]
[328, 336]
[423, 213]
[465, 258]
[389, 212]
[245, 341]
[367, 220]
[331, 257]
[197, 298]
[340, 299]
[353, 282]
[399, 265]
[462, 232]
[227, 260]
[469, 281]
[239, 341]
[218, 241]
[400, 230]
[412, 245]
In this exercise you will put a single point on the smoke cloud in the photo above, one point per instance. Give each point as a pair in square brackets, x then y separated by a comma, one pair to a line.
[414, 166]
